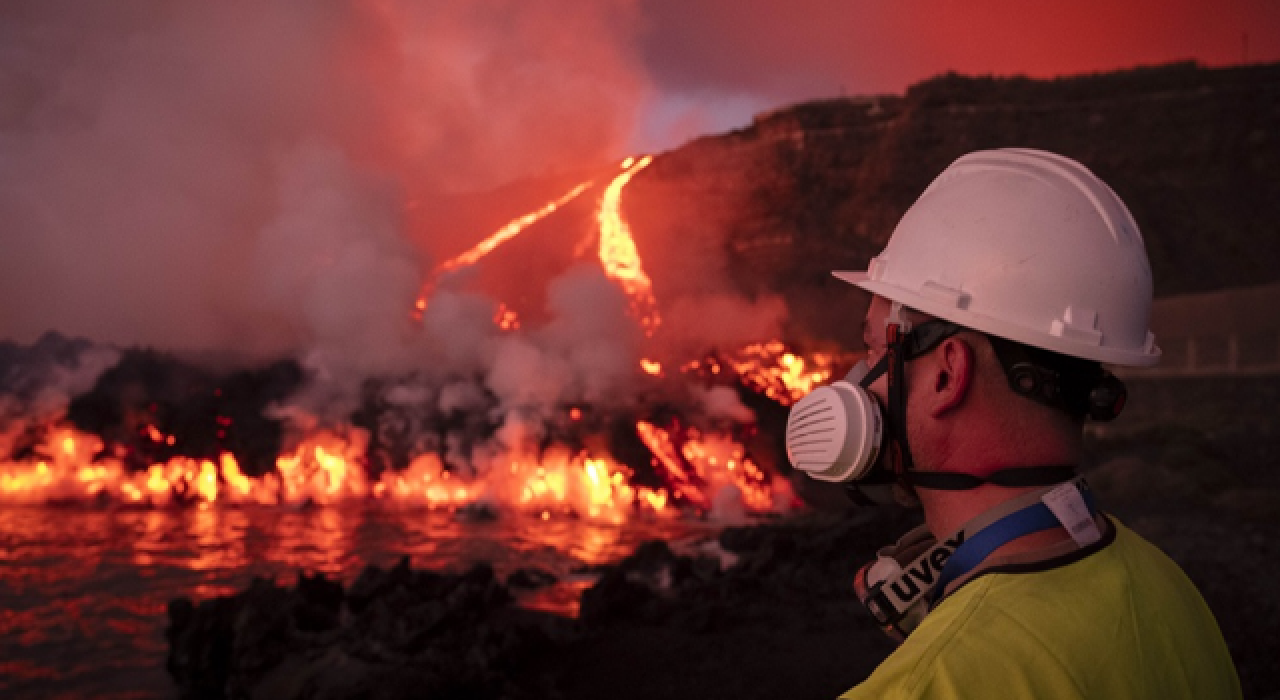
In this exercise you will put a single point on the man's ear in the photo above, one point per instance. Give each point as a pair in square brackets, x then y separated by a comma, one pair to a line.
[954, 364]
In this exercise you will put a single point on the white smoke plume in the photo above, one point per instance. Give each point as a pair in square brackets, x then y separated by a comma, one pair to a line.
[235, 177]
[244, 181]
[38, 383]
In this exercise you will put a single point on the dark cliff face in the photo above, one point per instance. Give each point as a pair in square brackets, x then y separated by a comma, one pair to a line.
[1194, 152]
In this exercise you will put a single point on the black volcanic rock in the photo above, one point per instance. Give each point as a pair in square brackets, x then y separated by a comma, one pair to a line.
[25, 370]
[530, 578]
[401, 632]
[208, 413]
[806, 562]
[397, 634]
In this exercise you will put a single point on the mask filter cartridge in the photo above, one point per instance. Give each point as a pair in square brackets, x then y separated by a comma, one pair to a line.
[836, 431]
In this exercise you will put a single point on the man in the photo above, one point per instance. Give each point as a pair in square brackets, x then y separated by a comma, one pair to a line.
[1001, 293]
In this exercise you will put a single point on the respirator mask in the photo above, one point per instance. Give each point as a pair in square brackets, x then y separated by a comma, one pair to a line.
[839, 432]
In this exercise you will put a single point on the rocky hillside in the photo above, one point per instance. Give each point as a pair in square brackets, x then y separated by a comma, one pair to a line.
[1195, 152]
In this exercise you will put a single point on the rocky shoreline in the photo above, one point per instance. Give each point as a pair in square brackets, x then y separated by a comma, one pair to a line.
[402, 632]
[393, 633]
[763, 611]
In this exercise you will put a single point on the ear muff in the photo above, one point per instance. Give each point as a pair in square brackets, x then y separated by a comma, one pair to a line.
[1105, 401]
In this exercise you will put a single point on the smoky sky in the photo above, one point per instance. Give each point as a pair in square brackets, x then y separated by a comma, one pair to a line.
[817, 47]
[240, 176]
[714, 62]
[236, 176]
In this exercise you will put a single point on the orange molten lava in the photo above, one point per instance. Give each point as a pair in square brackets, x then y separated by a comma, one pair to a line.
[512, 229]
[506, 319]
[328, 467]
[722, 476]
[772, 370]
[618, 253]
[706, 473]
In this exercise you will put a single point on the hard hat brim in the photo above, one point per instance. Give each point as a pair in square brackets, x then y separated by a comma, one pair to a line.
[851, 276]
[1139, 357]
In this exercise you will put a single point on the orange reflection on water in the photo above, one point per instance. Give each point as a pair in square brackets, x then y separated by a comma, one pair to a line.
[319, 540]
[217, 536]
[588, 543]
[85, 588]
[150, 530]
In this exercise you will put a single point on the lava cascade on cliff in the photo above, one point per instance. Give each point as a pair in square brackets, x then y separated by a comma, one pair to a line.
[673, 466]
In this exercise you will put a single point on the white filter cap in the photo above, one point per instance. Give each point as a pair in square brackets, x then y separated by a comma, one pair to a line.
[835, 433]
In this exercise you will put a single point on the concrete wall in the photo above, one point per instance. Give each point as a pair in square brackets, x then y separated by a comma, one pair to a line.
[1229, 332]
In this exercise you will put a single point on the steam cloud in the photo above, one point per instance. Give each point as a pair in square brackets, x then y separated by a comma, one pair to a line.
[243, 181]
[233, 177]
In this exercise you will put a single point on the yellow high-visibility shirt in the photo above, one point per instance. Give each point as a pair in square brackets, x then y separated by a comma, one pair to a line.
[1121, 622]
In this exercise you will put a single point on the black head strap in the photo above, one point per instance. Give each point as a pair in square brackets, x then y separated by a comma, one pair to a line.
[919, 341]
[1018, 477]
[900, 450]
[902, 347]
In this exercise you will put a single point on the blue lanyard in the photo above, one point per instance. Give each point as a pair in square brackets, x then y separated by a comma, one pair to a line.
[1034, 518]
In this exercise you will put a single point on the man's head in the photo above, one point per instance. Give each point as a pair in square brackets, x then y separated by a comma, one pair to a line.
[1020, 272]
[961, 408]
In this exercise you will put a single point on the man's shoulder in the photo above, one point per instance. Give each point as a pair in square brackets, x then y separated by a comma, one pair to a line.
[1050, 633]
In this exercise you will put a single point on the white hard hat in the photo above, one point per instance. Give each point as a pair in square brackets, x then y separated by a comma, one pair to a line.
[1024, 245]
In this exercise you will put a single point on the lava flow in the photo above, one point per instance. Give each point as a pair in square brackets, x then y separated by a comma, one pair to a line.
[771, 369]
[697, 471]
[512, 229]
[618, 252]
[327, 468]
[674, 465]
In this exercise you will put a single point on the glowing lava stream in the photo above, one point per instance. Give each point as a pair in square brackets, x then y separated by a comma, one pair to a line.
[781, 375]
[512, 229]
[618, 252]
[328, 468]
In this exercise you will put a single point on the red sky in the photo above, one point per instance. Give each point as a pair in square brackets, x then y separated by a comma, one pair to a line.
[712, 62]
[231, 136]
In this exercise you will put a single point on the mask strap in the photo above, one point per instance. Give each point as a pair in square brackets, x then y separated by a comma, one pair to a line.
[896, 329]
[904, 343]
[1019, 477]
